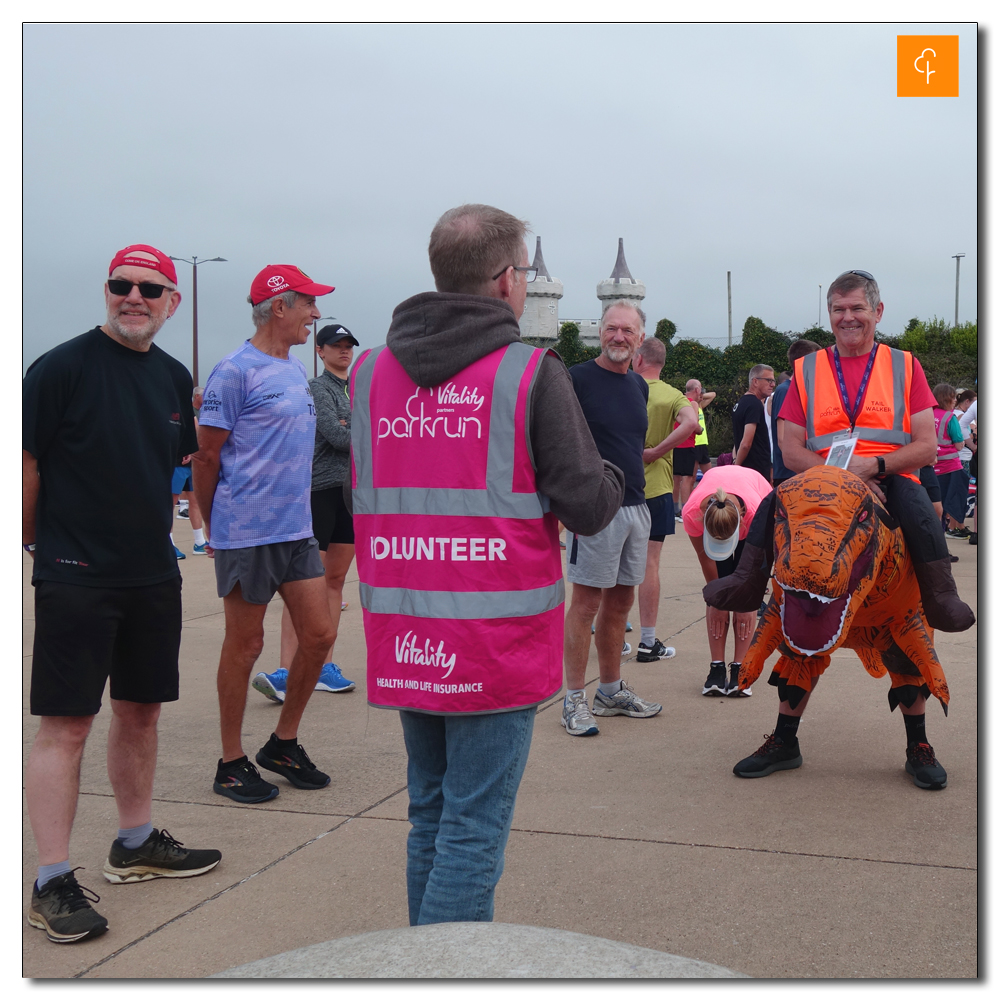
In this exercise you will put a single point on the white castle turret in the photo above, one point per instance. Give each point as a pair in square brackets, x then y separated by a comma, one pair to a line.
[621, 284]
[541, 306]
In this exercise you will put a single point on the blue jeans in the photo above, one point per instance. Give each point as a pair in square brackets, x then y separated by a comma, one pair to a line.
[463, 773]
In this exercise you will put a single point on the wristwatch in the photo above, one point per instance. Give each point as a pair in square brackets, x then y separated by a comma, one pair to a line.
[881, 465]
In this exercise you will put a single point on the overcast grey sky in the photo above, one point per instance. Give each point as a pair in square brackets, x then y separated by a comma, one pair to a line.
[780, 153]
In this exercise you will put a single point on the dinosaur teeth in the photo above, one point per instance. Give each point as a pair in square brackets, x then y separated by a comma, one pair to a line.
[821, 598]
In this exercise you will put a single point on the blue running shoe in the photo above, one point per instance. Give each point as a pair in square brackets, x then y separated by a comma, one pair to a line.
[200, 550]
[178, 553]
[331, 679]
[271, 685]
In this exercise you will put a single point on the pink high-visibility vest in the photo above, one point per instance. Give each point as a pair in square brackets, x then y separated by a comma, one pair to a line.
[458, 554]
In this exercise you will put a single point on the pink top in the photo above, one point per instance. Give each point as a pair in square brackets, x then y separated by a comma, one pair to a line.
[748, 484]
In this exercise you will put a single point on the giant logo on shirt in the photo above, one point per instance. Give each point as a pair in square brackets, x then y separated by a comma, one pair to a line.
[445, 411]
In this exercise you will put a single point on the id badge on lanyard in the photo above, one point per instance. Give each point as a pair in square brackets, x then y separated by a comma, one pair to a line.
[842, 449]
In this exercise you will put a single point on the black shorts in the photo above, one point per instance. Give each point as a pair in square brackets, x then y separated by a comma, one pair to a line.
[661, 517]
[83, 635]
[701, 456]
[929, 481]
[332, 522]
[684, 461]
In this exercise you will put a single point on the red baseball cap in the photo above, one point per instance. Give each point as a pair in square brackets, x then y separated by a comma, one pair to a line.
[141, 255]
[278, 278]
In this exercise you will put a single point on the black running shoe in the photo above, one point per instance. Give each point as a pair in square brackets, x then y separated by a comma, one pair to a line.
[923, 767]
[733, 687]
[158, 856]
[656, 652]
[773, 755]
[715, 683]
[62, 909]
[293, 763]
[240, 781]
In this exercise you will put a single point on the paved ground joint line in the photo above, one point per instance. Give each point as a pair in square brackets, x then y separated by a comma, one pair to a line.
[222, 892]
[752, 850]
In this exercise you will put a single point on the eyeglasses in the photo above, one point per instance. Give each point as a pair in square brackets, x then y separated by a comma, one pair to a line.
[760, 378]
[862, 274]
[530, 273]
[147, 289]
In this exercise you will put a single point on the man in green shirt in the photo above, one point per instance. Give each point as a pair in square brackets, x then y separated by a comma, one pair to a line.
[666, 408]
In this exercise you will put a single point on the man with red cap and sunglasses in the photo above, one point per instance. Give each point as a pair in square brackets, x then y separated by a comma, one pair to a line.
[252, 479]
[107, 417]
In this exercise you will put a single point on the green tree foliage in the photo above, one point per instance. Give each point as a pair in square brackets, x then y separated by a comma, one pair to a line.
[666, 329]
[571, 349]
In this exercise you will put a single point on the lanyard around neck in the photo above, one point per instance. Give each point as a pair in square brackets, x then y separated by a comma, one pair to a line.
[852, 411]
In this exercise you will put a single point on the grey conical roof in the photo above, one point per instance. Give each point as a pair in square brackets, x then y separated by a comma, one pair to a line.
[539, 262]
[621, 271]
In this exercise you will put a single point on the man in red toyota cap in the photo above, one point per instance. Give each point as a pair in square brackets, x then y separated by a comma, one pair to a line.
[107, 417]
[252, 479]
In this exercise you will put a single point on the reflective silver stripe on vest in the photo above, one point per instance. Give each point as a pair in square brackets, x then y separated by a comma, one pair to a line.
[462, 605]
[943, 440]
[895, 436]
[497, 500]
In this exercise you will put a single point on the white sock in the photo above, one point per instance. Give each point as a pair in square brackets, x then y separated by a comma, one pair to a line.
[172, 542]
[611, 688]
[648, 636]
[199, 536]
[574, 692]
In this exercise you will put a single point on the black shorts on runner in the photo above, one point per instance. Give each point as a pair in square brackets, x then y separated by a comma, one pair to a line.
[929, 481]
[683, 461]
[661, 517]
[83, 635]
[332, 522]
[701, 456]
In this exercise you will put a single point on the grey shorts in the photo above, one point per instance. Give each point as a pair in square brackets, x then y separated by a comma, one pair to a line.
[615, 555]
[261, 569]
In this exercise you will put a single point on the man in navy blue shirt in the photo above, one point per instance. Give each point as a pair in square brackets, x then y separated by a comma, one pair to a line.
[605, 568]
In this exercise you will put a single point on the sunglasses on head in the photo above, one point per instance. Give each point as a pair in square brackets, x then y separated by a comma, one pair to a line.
[862, 274]
[147, 289]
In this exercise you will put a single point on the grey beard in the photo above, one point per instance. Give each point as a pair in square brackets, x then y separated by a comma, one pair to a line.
[624, 352]
[138, 338]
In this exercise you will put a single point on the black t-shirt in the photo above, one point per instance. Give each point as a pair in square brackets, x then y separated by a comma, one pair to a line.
[108, 425]
[615, 408]
[750, 410]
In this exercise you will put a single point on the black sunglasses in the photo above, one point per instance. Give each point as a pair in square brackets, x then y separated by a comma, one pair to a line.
[147, 289]
[862, 274]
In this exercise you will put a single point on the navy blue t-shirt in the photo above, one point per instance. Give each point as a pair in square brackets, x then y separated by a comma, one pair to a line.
[615, 408]
[779, 469]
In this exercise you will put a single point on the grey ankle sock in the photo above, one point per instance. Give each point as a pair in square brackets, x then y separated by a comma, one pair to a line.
[137, 835]
[47, 872]
[610, 689]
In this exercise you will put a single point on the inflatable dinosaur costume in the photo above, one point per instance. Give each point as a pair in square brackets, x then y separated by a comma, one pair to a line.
[842, 577]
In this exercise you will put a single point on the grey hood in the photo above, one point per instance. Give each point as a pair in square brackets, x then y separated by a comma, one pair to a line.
[434, 335]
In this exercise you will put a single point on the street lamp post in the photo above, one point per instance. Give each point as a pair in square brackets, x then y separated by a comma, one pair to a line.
[819, 308]
[316, 323]
[958, 262]
[194, 262]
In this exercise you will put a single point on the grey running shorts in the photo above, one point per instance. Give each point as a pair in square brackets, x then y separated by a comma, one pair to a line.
[261, 569]
[615, 555]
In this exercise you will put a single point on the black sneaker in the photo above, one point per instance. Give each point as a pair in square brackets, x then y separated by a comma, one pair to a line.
[651, 654]
[715, 683]
[158, 856]
[923, 767]
[773, 755]
[292, 763]
[733, 687]
[973, 537]
[62, 909]
[240, 781]
[184, 514]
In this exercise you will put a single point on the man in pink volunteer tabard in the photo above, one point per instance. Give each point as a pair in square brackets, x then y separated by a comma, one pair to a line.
[468, 447]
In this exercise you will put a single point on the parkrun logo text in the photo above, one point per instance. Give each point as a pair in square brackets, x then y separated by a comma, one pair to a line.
[407, 651]
[453, 549]
[419, 423]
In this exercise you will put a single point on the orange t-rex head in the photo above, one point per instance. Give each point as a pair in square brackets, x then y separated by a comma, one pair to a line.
[825, 539]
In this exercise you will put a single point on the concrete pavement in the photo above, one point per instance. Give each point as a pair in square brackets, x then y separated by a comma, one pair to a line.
[641, 835]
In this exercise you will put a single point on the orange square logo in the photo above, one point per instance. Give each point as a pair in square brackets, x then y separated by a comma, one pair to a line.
[927, 65]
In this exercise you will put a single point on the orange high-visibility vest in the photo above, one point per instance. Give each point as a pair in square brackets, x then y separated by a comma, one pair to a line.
[882, 424]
